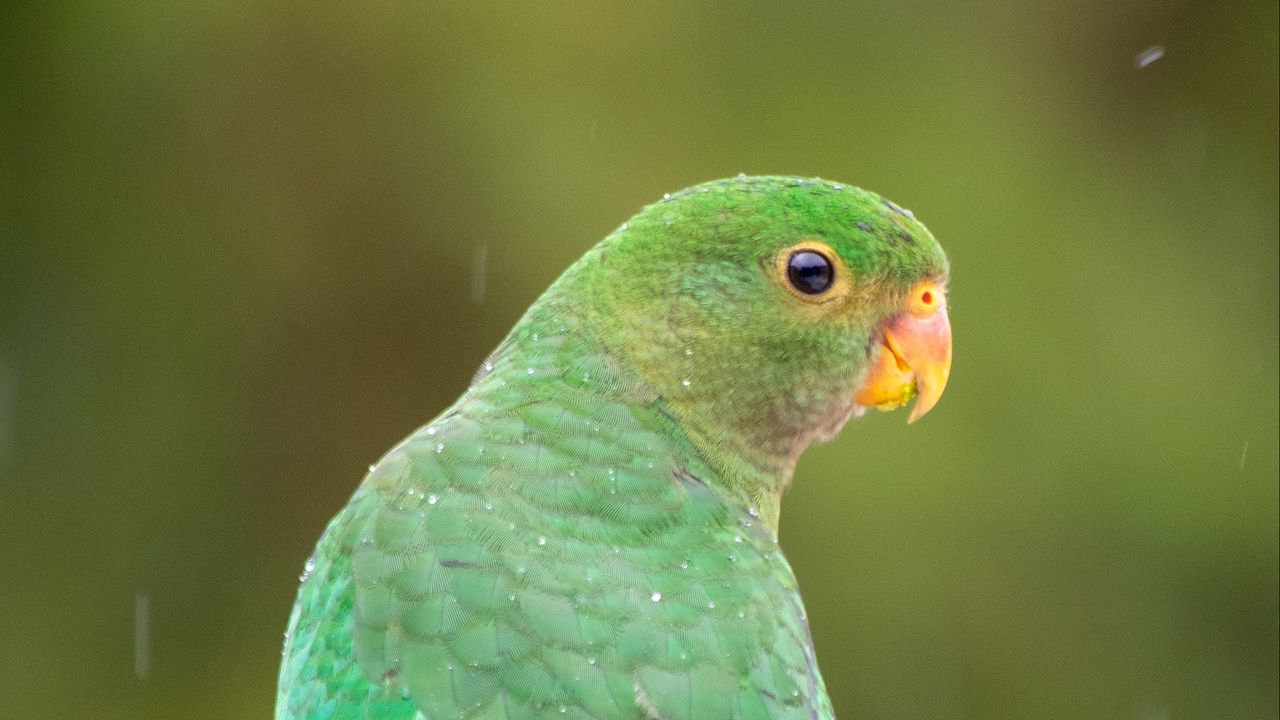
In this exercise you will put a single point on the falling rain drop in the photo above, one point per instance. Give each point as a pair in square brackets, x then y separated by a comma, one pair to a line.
[141, 635]
[8, 412]
[1148, 56]
[479, 271]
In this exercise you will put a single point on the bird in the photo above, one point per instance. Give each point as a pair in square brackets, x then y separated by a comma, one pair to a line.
[591, 530]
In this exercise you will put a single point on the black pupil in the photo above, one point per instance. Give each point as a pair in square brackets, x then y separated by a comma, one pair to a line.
[810, 272]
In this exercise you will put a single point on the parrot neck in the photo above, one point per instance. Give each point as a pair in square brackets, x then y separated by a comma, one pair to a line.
[735, 433]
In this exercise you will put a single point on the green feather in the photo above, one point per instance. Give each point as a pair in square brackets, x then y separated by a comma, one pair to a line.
[590, 530]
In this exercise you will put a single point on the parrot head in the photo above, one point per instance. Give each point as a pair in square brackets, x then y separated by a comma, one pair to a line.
[766, 311]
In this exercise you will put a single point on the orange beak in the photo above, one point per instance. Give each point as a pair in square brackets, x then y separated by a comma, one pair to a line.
[915, 360]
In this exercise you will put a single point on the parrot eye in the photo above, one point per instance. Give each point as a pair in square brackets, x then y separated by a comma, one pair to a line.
[809, 272]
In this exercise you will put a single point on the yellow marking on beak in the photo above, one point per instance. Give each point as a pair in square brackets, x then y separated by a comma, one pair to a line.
[915, 360]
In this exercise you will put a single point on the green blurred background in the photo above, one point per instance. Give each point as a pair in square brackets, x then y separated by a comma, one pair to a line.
[242, 248]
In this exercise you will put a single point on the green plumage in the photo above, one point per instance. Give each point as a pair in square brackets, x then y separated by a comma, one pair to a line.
[590, 530]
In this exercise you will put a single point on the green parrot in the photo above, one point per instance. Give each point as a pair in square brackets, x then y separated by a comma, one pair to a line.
[590, 531]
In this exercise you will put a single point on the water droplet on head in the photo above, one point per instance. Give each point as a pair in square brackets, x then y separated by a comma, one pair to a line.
[656, 596]
[542, 540]
[753, 511]
[431, 430]
[528, 371]
[307, 569]
[685, 382]
[439, 448]
[666, 196]
[688, 352]
[712, 605]
[432, 499]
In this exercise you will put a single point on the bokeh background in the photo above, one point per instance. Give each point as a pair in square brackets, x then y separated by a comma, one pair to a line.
[247, 246]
